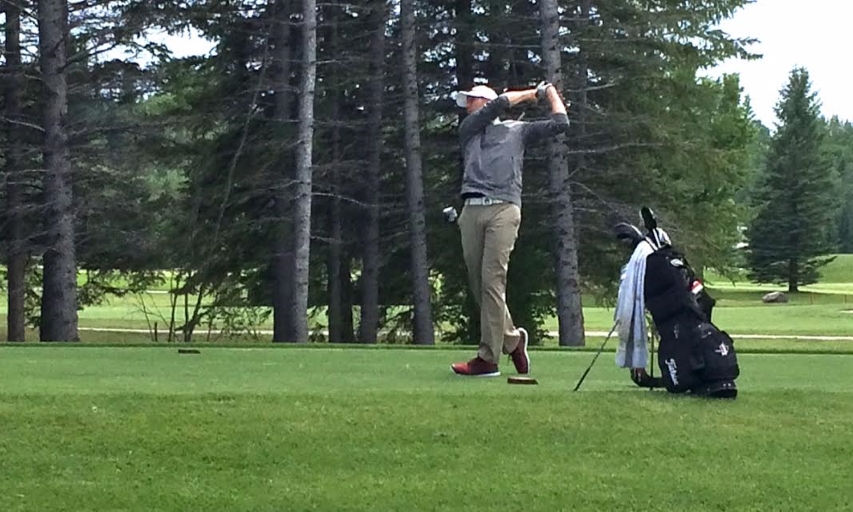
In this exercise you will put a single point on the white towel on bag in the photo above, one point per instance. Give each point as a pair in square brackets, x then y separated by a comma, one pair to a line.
[630, 314]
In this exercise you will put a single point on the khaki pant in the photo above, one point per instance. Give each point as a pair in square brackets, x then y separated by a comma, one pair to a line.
[488, 238]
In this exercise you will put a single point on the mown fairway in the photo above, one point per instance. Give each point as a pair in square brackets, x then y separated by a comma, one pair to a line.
[100, 428]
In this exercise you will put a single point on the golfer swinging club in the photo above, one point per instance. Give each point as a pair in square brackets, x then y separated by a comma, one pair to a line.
[491, 189]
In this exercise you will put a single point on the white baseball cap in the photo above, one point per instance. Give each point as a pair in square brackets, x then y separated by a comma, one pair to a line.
[478, 91]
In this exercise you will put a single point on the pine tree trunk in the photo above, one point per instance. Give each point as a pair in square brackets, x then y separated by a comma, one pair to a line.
[282, 261]
[465, 51]
[16, 256]
[794, 261]
[371, 258]
[569, 311]
[793, 276]
[423, 332]
[496, 68]
[59, 288]
[347, 326]
[304, 163]
[334, 270]
[335, 279]
[464, 48]
[335, 276]
[283, 284]
[465, 34]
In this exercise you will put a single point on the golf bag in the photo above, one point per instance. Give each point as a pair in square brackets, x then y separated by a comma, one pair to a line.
[693, 354]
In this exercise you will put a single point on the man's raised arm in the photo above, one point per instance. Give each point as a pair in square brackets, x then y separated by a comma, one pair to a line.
[475, 122]
[558, 123]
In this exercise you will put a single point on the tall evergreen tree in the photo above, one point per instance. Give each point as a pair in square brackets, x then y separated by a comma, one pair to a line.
[423, 331]
[839, 151]
[302, 189]
[16, 260]
[59, 296]
[791, 231]
[569, 308]
[371, 267]
[282, 260]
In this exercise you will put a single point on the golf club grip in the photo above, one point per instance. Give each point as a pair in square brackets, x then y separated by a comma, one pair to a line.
[649, 219]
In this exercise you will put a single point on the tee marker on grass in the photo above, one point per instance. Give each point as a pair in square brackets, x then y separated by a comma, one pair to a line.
[521, 380]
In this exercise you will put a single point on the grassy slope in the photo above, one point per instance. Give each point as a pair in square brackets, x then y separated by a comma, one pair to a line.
[314, 429]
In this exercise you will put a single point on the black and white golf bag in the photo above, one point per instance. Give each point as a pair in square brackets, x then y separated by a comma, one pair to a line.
[693, 355]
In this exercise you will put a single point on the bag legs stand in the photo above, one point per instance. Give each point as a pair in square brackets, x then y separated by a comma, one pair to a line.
[652, 369]
[653, 333]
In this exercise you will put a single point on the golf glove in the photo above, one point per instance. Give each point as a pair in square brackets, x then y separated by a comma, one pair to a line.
[542, 90]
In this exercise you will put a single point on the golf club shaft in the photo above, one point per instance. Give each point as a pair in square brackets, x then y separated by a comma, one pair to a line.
[600, 349]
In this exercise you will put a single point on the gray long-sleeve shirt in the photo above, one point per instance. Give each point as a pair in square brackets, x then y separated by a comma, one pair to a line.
[493, 150]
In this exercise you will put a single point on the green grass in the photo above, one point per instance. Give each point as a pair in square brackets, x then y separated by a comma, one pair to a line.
[825, 308]
[839, 270]
[750, 345]
[738, 311]
[314, 429]
[822, 318]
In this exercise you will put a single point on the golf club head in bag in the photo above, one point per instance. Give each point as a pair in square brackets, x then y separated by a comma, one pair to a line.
[655, 235]
[628, 233]
[649, 219]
